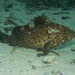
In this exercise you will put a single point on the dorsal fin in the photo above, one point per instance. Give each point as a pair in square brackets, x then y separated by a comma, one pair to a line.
[41, 20]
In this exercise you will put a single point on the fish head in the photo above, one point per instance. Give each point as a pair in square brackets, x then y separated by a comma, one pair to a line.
[67, 34]
[61, 33]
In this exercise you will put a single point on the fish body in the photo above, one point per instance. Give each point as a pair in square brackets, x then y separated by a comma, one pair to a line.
[37, 36]
[40, 33]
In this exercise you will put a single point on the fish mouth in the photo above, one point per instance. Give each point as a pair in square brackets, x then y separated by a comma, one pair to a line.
[73, 34]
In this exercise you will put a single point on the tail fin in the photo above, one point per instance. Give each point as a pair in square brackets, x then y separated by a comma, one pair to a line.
[4, 38]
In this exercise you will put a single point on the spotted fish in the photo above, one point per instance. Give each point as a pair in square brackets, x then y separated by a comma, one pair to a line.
[40, 33]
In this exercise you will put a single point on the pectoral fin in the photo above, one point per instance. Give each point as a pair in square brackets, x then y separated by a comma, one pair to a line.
[46, 48]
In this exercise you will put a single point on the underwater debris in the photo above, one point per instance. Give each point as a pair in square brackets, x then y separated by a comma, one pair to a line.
[8, 29]
[46, 4]
[14, 50]
[65, 17]
[58, 13]
[33, 67]
[10, 20]
[6, 9]
[73, 49]
[48, 59]
[8, 6]
[57, 72]
[72, 61]
[66, 8]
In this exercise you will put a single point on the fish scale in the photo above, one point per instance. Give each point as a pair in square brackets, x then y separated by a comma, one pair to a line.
[39, 33]
[37, 38]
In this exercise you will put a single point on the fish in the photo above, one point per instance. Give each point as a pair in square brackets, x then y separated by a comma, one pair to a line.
[40, 33]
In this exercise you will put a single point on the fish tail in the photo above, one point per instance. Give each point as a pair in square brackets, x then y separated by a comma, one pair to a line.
[4, 38]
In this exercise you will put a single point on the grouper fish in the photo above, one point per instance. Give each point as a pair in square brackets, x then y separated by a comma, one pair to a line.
[40, 33]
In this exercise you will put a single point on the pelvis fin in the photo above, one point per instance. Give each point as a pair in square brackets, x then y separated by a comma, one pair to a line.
[46, 48]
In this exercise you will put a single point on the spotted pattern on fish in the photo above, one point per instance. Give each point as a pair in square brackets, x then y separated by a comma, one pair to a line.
[39, 32]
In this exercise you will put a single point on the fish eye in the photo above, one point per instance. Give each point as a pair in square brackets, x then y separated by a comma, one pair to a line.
[65, 30]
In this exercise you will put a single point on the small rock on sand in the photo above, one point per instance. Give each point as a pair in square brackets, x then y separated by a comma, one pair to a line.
[48, 59]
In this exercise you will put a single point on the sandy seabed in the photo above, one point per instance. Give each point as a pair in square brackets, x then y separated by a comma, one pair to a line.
[25, 61]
